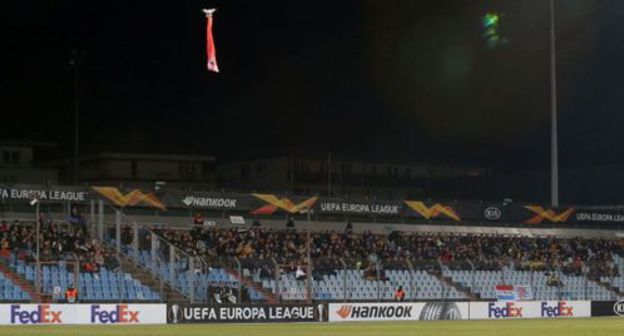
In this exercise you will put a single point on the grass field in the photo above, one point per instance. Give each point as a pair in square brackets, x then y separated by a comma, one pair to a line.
[568, 327]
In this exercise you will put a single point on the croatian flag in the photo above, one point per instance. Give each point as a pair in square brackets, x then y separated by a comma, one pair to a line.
[211, 52]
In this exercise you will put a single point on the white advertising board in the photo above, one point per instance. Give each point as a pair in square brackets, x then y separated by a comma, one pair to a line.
[399, 311]
[18, 314]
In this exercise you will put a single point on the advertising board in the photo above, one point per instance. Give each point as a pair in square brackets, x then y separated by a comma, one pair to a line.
[21, 314]
[399, 311]
[196, 313]
[607, 308]
[529, 309]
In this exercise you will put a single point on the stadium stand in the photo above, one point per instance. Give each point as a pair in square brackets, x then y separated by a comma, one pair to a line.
[365, 266]
[204, 263]
[65, 251]
[9, 291]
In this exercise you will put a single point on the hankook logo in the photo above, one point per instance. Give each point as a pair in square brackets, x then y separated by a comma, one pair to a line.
[209, 202]
[492, 213]
[344, 311]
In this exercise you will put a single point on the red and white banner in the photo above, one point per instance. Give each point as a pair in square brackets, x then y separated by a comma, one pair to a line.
[514, 293]
[211, 51]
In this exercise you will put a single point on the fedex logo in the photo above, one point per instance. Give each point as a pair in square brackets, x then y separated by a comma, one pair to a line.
[121, 314]
[509, 310]
[43, 314]
[560, 309]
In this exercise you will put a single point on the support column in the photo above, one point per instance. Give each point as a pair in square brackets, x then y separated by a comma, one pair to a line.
[118, 230]
[172, 264]
[100, 224]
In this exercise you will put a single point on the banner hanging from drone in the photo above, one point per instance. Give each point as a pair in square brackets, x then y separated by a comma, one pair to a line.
[211, 51]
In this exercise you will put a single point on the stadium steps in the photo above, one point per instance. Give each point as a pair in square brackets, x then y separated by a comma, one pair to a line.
[22, 283]
[167, 292]
[449, 281]
[269, 295]
[610, 287]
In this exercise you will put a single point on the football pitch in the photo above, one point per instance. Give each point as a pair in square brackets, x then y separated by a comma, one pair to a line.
[568, 327]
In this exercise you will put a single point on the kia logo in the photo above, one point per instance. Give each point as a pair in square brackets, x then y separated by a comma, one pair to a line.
[618, 308]
[492, 213]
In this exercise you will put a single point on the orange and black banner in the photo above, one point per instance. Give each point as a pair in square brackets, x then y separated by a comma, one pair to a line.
[330, 208]
[131, 198]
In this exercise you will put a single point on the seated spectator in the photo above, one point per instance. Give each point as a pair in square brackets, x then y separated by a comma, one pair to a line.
[5, 251]
[265, 272]
[198, 220]
[111, 262]
[245, 298]
[4, 227]
[216, 296]
[227, 296]
[91, 267]
[399, 295]
[99, 259]
[211, 292]
[76, 218]
[300, 274]
[370, 273]
[554, 281]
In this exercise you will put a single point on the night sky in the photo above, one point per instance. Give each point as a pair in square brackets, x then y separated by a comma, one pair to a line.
[368, 79]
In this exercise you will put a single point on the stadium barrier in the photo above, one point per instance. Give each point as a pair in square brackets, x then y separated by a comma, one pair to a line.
[16, 196]
[529, 309]
[343, 312]
[412, 311]
[22, 314]
[607, 308]
[28, 314]
[197, 313]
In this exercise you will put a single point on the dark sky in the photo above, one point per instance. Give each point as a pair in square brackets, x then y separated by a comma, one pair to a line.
[400, 80]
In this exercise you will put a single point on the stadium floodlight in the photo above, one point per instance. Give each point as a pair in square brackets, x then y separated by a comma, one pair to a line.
[554, 155]
[308, 211]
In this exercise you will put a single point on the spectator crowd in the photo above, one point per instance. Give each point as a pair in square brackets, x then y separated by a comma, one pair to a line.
[258, 247]
[59, 241]
[327, 249]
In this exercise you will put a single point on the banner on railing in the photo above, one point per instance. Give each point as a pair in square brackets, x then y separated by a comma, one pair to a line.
[251, 204]
[20, 314]
[344, 312]
[514, 293]
[47, 194]
[195, 313]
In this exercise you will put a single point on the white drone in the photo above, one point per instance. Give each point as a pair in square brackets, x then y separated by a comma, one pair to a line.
[209, 12]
